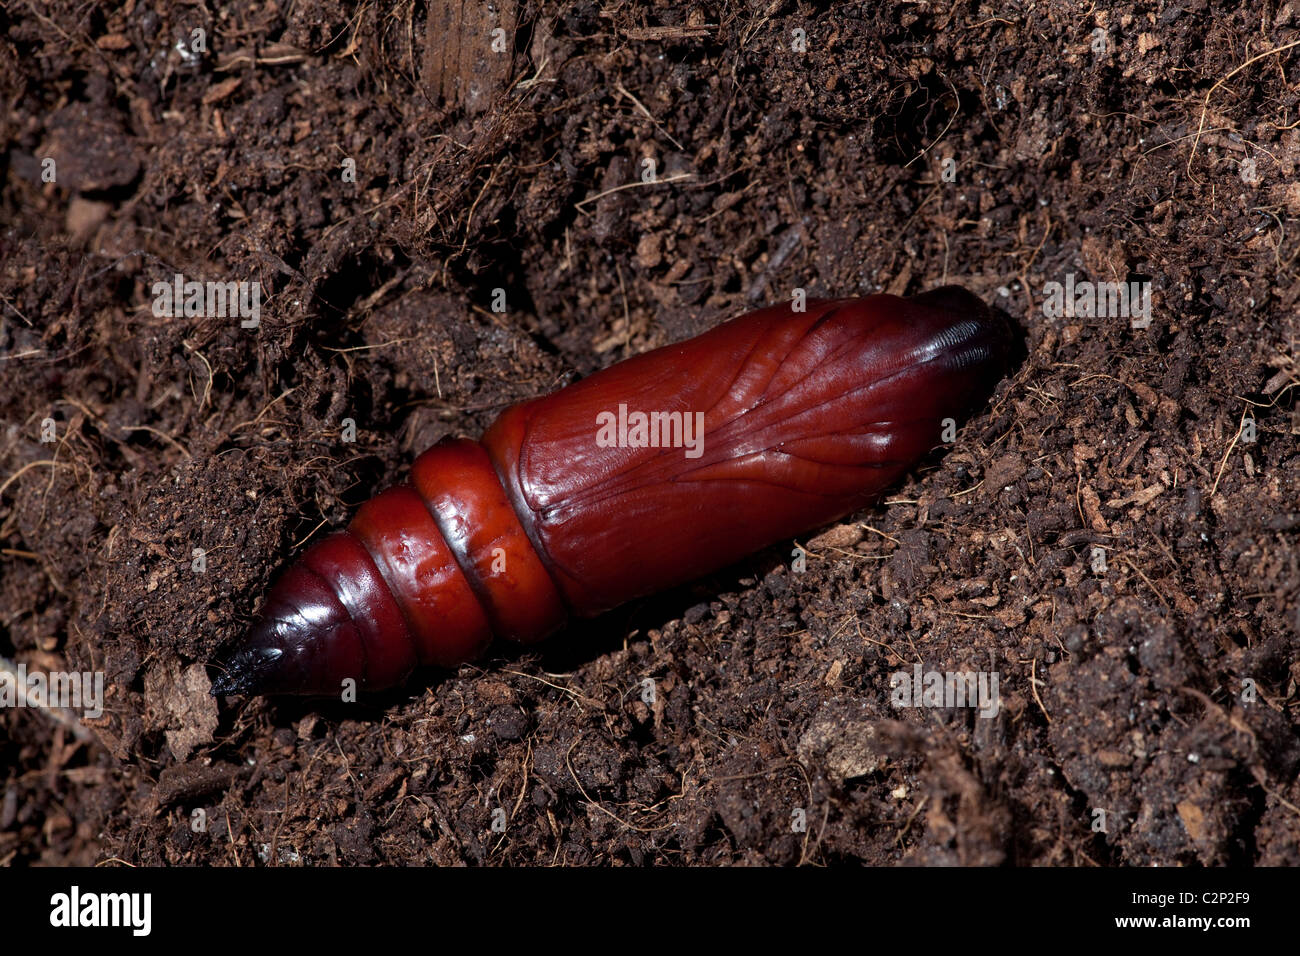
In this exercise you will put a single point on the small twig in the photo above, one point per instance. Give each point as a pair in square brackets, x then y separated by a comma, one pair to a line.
[577, 698]
[598, 806]
[881, 533]
[163, 435]
[366, 348]
[1138, 572]
[1223, 464]
[957, 103]
[633, 185]
[1224, 79]
[650, 116]
[207, 389]
[31, 464]
[1033, 686]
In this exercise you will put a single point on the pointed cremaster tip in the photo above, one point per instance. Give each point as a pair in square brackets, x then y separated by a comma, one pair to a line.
[248, 671]
[290, 649]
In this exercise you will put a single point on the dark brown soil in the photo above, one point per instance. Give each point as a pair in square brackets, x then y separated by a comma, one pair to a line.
[477, 170]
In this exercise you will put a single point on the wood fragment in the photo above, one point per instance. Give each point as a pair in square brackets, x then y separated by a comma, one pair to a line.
[469, 52]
